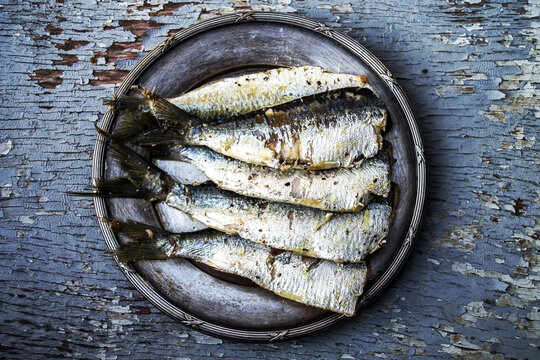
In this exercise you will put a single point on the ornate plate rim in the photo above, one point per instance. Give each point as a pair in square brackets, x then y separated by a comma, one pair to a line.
[358, 50]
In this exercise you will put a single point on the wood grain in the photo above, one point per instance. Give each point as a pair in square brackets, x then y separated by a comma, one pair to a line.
[471, 286]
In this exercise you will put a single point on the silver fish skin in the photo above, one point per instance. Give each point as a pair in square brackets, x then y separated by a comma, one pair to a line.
[227, 97]
[321, 131]
[339, 189]
[340, 237]
[319, 283]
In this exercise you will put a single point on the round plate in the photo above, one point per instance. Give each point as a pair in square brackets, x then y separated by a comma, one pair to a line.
[221, 305]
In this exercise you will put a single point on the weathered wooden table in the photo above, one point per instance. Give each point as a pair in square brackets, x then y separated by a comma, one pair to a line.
[471, 286]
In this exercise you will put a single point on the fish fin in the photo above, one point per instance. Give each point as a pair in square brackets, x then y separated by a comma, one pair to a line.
[176, 152]
[139, 251]
[161, 151]
[139, 110]
[135, 230]
[168, 115]
[146, 176]
[133, 123]
[150, 242]
[126, 102]
[158, 137]
[120, 188]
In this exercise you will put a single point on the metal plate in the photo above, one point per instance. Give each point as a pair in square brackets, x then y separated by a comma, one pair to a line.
[220, 305]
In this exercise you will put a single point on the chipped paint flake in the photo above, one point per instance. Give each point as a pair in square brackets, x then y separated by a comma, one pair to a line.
[26, 219]
[521, 141]
[473, 311]
[342, 8]
[5, 147]
[461, 237]
[205, 339]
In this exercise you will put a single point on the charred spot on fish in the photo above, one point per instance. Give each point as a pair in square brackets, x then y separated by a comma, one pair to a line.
[265, 78]
[271, 142]
[375, 180]
[287, 184]
[319, 83]
[261, 230]
[276, 252]
[290, 215]
[335, 182]
[115, 226]
[263, 205]
[280, 118]
[307, 259]
[259, 119]
[308, 82]
[259, 135]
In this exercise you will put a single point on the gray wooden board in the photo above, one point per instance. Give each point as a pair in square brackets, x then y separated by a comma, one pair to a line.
[471, 286]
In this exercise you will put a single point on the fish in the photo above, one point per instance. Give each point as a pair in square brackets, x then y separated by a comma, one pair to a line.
[317, 132]
[341, 237]
[242, 94]
[338, 189]
[319, 283]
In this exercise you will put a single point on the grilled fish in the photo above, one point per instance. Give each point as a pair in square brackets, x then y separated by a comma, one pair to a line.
[227, 97]
[322, 131]
[319, 283]
[340, 189]
[342, 237]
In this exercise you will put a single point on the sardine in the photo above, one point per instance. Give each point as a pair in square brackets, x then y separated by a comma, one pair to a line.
[319, 283]
[342, 237]
[340, 189]
[227, 97]
[322, 131]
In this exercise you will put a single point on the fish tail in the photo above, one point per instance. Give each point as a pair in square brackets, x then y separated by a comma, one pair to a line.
[168, 115]
[148, 242]
[150, 113]
[133, 123]
[136, 116]
[161, 151]
[120, 188]
[145, 176]
[126, 102]
[178, 152]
